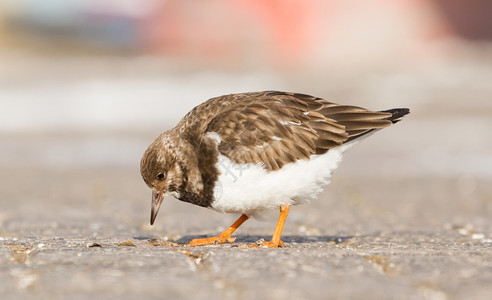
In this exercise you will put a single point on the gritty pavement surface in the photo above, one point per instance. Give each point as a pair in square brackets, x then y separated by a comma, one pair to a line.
[408, 214]
[84, 233]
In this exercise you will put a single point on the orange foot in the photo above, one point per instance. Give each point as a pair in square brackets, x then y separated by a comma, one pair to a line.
[211, 241]
[275, 242]
[264, 244]
[221, 238]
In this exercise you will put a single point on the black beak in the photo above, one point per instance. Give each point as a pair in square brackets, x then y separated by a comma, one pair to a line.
[157, 198]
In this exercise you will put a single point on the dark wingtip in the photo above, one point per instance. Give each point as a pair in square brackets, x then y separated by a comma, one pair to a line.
[397, 114]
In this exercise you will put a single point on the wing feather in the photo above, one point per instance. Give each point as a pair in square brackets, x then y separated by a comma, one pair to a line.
[276, 128]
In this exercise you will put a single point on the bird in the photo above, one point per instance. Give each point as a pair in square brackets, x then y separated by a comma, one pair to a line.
[249, 153]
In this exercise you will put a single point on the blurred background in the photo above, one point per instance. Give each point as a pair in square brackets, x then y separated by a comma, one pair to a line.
[86, 85]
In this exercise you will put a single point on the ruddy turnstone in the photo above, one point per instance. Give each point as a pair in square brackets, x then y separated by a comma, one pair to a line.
[251, 152]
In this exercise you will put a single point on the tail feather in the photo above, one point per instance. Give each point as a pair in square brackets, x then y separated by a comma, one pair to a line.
[397, 114]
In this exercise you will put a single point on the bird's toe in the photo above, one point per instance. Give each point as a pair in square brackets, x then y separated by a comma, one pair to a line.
[216, 240]
[264, 244]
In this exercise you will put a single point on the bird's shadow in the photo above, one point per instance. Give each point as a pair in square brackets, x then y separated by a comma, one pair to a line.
[251, 239]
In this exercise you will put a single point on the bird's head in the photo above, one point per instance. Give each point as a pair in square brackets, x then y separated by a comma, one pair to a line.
[161, 171]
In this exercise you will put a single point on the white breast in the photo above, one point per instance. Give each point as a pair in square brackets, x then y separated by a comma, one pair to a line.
[250, 189]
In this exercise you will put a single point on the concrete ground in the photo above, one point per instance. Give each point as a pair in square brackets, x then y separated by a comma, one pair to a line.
[408, 214]
[84, 233]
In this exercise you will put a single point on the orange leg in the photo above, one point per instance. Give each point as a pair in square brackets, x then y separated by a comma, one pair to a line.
[276, 242]
[221, 238]
[284, 212]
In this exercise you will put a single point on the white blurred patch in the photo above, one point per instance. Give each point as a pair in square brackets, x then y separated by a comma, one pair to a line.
[117, 103]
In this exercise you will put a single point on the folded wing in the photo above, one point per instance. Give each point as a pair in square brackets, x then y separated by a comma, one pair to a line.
[277, 128]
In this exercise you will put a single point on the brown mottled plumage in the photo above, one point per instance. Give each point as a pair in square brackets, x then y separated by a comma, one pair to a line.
[269, 129]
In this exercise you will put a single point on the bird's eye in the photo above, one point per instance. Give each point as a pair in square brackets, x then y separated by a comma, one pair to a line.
[161, 176]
